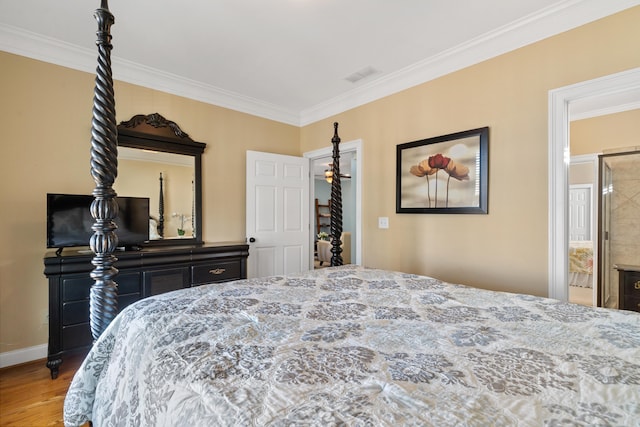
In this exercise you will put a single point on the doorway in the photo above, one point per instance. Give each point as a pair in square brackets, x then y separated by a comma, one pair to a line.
[582, 237]
[351, 152]
[613, 93]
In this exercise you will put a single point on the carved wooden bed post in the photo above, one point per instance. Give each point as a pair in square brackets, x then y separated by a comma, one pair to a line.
[160, 227]
[104, 168]
[336, 202]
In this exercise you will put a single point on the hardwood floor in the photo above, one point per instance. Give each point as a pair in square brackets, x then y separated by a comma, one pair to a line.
[580, 295]
[28, 395]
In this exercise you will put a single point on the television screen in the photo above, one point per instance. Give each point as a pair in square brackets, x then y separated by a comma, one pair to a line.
[69, 220]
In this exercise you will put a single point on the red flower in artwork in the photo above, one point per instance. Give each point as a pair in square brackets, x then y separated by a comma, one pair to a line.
[435, 163]
[439, 161]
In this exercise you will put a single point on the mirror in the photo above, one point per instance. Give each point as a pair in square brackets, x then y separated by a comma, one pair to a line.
[167, 180]
[156, 159]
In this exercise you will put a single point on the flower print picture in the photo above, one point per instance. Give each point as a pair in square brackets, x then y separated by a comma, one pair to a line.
[445, 174]
[432, 166]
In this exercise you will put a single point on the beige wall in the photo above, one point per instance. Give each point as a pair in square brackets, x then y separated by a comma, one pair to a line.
[608, 132]
[508, 248]
[596, 135]
[582, 173]
[46, 116]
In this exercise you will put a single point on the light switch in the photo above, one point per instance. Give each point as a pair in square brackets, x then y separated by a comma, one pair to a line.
[383, 222]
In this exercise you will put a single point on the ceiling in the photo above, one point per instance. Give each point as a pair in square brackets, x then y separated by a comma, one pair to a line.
[288, 60]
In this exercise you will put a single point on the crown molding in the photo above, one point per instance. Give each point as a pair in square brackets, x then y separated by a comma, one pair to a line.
[131, 72]
[545, 23]
[35, 46]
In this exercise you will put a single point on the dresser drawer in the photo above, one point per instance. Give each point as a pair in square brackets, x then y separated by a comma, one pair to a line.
[631, 283]
[632, 304]
[125, 300]
[222, 271]
[161, 280]
[75, 312]
[76, 336]
[629, 288]
[78, 311]
[128, 283]
[77, 288]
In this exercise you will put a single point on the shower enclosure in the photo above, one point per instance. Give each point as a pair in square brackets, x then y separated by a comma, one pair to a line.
[619, 220]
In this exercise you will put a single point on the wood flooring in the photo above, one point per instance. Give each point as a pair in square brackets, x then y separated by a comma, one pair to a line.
[580, 295]
[30, 398]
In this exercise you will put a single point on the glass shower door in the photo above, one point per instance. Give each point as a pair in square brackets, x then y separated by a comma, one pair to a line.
[605, 282]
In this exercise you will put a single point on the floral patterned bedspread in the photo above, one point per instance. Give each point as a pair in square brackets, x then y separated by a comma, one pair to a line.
[359, 347]
[581, 257]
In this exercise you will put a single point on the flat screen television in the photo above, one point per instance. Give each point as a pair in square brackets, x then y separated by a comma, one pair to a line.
[69, 220]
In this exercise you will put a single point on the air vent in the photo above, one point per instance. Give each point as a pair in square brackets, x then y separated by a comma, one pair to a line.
[359, 75]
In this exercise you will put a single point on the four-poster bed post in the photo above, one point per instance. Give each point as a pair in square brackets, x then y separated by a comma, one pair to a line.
[336, 202]
[161, 208]
[104, 168]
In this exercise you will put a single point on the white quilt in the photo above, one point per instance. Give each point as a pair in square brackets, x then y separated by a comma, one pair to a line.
[350, 346]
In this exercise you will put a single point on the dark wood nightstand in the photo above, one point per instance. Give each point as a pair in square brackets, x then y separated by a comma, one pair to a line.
[629, 287]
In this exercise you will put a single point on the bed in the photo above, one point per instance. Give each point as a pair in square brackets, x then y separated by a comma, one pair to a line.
[581, 263]
[356, 346]
[344, 345]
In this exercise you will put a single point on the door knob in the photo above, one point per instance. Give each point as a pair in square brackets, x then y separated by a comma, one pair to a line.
[252, 239]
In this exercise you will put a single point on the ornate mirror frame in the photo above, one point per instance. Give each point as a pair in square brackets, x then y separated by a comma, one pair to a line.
[154, 132]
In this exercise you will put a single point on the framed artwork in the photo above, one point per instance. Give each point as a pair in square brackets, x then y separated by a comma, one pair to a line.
[446, 175]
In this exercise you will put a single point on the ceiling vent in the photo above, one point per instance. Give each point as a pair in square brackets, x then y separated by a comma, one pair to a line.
[361, 74]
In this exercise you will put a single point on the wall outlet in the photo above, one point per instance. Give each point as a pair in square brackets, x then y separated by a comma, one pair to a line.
[383, 222]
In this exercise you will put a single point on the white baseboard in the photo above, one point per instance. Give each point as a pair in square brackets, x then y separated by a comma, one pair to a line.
[23, 355]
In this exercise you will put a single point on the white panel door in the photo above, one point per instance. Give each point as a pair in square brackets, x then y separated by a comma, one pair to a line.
[579, 213]
[278, 221]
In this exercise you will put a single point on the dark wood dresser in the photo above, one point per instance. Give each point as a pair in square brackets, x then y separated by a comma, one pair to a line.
[150, 271]
[629, 287]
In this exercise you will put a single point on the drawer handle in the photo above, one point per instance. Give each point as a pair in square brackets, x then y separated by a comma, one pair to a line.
[217, 271]
[637, 284]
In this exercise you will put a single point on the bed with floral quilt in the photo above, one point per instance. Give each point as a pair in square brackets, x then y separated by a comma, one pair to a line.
[581, 263]
[354, 346]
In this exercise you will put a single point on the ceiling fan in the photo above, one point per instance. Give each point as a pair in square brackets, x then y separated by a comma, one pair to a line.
[328, 174]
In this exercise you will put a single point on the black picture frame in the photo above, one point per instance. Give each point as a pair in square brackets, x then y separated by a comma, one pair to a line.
[446, 174]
